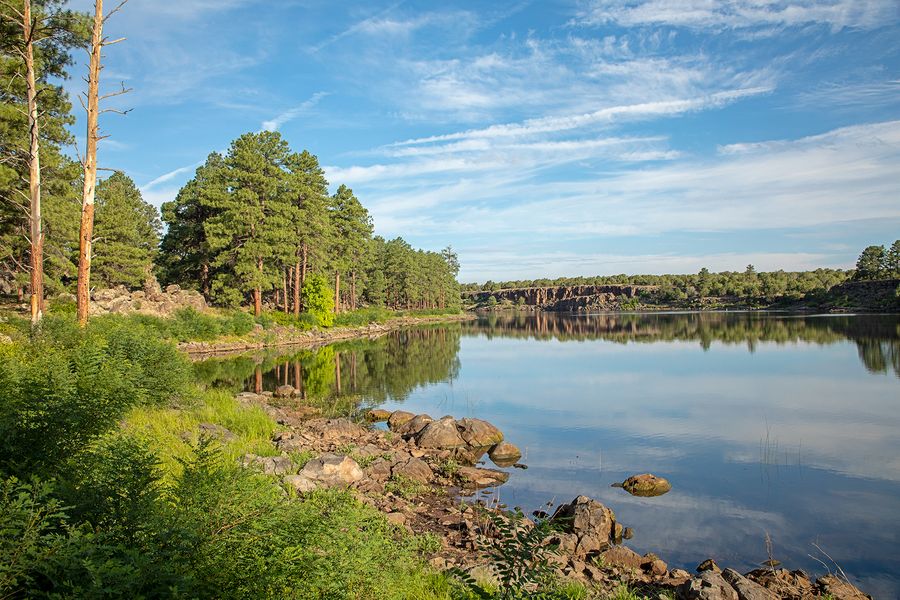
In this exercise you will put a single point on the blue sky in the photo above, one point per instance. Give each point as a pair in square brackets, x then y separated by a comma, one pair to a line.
[566, 137]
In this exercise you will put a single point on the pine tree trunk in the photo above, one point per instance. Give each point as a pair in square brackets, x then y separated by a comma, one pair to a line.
[90, 169]
[297, 289]
[204, 280]
[257, 292]
[284, 288]
[352, 290]
[303, 273]
[34, 174]
[337, 292]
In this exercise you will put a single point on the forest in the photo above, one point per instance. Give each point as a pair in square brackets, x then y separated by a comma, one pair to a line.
[254, 226]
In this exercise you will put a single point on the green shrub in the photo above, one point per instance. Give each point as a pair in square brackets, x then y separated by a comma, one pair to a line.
[318, 299]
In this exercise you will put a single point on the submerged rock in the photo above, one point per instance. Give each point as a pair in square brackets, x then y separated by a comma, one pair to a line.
[645, 485]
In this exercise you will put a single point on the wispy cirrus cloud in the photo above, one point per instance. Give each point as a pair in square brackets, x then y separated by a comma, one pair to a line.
[737, 14]
[291, 114]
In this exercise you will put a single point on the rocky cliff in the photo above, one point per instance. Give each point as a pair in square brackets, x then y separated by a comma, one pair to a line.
[564, 298]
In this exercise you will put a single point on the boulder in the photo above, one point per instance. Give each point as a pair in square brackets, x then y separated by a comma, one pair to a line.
[708, 565]
[481, 478]
[709, 585]
[440, 434]
[746, 589]
[783, 583]
[504, 454]
[284, 391]
[415, 469]
[327, 470]
[336, 429]
[657, 567]
[620, 556]
[398, 418]
[591, 521]
[468, 455]
[478, 433]
[378, 414]
[413, 426]
[645, 485]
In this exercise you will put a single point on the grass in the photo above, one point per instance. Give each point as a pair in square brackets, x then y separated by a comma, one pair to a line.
[403, 486]
[171, 432]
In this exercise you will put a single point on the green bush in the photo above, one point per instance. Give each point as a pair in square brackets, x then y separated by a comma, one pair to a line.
[319, 299]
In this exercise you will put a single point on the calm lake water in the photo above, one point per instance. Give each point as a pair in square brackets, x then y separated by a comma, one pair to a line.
[766, 425]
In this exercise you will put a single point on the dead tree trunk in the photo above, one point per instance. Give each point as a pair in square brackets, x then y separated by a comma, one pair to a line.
[90, 158]
[34, 171]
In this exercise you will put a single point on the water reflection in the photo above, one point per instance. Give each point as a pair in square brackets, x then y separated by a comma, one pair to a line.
[764, 424]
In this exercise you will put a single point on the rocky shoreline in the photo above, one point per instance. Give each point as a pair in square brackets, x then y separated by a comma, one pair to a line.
[419, 471]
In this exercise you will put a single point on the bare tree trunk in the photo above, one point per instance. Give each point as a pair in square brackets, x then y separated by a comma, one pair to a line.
[34, 171]
[90, 168]
[337, 292]
[297, 289]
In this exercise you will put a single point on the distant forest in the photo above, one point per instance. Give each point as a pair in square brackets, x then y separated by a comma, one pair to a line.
[875, 262]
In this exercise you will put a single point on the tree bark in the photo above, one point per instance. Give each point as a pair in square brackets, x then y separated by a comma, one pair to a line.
[353, 290]
[297, 289]
[284, 289]
[204, 279]
[337, 292]
[34, 172]
[257, 291]
[90, 169]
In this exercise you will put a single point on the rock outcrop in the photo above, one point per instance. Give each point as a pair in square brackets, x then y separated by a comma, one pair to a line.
[149, 301]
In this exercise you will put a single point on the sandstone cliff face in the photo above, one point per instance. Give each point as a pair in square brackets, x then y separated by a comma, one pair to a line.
[564, 298]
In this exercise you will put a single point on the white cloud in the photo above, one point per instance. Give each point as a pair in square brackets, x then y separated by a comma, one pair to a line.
[291, 114]
[169, 176]
[736, 14]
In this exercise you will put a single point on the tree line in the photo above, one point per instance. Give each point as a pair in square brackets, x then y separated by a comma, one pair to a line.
[876, 262]
[256, 225]
[259, 223]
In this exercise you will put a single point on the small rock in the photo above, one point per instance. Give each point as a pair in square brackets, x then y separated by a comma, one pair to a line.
[284, 391]
[216, 431]
[415, 469]
[378, 414]
[505, 453]
[658, 567]
[745, 588]
[628, 533]
[680, 574]
[839, 589]
[645, 485]
[398, 418]
[413, 426]
[621, 556]
[482, 477]
[396, 518]
[708, 586]
[708, 565]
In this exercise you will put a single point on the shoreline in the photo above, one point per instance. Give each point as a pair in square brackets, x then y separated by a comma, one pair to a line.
[291, 337]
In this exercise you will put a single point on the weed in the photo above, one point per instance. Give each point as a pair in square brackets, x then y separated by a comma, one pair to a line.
[404, 487]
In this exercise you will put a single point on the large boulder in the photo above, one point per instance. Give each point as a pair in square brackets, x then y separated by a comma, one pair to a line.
[592, 522]
[328, 470]
[415, 469]
[709, 585]
[440, 434]
[284, 391]
[621, 556]
[478, 433]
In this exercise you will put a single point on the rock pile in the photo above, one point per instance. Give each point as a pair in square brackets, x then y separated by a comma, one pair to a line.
[149, 301]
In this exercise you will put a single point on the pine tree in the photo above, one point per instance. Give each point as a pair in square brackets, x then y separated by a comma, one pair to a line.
[251, 231]
[126, 234]
[185, 255]
[312, 227]
[352, 227]
[892, 261]
[870, 264]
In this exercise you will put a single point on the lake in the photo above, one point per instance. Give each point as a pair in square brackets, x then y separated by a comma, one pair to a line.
[768, 426]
